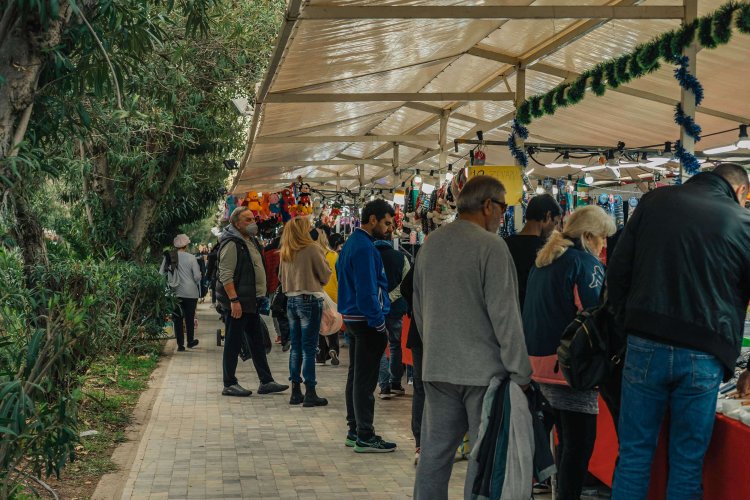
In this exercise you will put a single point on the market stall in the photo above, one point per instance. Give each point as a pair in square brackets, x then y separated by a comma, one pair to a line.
[726, 471]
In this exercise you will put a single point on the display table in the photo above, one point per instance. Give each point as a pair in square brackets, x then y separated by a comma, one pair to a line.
[726, 470]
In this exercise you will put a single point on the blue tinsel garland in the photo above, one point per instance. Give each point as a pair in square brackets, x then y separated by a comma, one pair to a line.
[687, 122]
[688, 82]
[519, 154]
[688, 160]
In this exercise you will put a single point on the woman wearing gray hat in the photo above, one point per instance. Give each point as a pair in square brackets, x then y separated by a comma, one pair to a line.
[184, 276]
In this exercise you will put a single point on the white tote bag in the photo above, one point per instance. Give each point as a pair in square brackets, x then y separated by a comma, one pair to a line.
[330, 320]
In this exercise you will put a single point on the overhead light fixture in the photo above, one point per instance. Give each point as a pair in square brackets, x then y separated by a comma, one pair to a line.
[449, 176]
[432, 173]
[428, 188]
[450, 167]
[530, 171]
[565, 163]
[589, 179]
[403, 184]
[539, 187]
[593, 168]
[743, 142]
[417, 178]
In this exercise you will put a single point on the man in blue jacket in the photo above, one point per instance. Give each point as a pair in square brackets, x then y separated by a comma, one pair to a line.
[364, 304]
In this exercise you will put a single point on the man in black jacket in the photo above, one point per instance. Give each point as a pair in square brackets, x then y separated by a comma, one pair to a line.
[679, 281]
[241, 289]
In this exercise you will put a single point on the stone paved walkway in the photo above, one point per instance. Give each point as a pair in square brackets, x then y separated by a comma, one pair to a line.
[199, 444]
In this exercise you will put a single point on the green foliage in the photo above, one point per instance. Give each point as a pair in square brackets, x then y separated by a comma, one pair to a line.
[49, 336]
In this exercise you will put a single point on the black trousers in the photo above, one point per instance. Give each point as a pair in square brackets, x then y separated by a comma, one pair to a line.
[417, 402]
[611, 392]
[366, 347]
[326, 343]
[247, 325]
[185, 312]
[576, 433]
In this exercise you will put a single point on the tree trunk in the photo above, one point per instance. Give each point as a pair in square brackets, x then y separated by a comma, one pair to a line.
[146, 211]
[29, 235]
[22, 55]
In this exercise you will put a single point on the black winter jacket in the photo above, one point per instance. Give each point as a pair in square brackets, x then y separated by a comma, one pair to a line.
[681, 271]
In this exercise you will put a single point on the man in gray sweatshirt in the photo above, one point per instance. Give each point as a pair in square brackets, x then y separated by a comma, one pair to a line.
[467, 313]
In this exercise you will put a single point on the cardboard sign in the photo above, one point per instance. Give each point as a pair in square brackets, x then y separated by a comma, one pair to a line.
[510, 176]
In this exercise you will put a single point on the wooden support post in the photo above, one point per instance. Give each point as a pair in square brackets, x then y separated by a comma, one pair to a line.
[687, 97]
[520, 97]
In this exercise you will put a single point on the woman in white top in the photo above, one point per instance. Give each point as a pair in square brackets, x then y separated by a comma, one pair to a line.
[184, 276]
[304, 272]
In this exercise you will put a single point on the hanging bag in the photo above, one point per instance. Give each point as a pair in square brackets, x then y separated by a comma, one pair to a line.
[330, 320]
[171, 264]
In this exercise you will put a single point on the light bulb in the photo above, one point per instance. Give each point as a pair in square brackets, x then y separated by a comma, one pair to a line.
[555, 190]
[589, 179]
[417, 179]
[449, 176]
[743, 144]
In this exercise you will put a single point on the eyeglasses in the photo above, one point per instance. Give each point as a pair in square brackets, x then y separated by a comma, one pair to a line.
[503, 205]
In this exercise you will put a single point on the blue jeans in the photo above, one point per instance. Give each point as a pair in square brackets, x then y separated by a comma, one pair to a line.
[656, 377]
[304, 312]
[391, 373]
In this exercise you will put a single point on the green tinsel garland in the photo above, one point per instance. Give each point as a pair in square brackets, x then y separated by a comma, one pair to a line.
[705, 32]
[577, 90]
[560, 98]
[722, 23]
[536, 106]
[712, 30]
[597, 81]
[610, 70]
[548, 103]
[743, 19]
[523, 113]
[668, 49]
[648, 56]
[621, 69]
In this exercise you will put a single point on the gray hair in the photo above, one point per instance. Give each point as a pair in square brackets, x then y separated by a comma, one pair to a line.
[478, 190]
[236, 214]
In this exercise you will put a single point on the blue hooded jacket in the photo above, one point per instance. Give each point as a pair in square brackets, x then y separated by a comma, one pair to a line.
[363, 286]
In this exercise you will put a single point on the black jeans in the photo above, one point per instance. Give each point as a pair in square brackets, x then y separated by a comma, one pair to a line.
[185, 311]
[576, 434]
[326, 343]
[366, 347]
[249, 325]
[417, 402]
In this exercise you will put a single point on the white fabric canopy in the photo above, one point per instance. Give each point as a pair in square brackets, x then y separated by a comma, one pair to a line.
[340, 57]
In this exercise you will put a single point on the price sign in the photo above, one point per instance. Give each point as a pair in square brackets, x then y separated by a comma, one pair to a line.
[510, 176]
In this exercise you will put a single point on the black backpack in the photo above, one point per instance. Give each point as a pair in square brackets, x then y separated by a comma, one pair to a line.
[590, 348]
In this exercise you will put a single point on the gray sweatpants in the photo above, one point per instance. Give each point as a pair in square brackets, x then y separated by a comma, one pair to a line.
[449, 412]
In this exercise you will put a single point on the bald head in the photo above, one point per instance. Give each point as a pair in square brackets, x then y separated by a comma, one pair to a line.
[736, 176]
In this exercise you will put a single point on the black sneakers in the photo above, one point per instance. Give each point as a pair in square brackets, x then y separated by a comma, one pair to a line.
[374, 445]
[236, 390]
[271, 387]
[334, 357]
[398, 389]
[193, 343]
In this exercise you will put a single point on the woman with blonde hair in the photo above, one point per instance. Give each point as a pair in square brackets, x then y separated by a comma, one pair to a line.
[566, 278]
[328, 345]
[304, 272]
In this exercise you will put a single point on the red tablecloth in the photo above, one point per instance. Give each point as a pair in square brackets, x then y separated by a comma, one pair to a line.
[726, 470]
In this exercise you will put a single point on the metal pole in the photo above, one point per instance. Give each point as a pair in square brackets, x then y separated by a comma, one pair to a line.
[687, 96]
